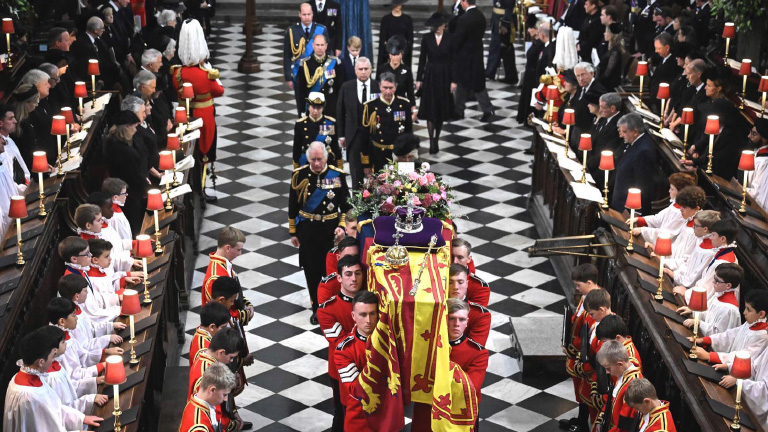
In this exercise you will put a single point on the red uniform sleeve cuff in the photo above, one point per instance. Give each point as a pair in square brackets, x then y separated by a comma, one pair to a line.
[706, 340]
[100, 367]
[714, 358]
[641, 222]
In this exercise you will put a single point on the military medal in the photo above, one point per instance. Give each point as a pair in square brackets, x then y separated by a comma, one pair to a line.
[331, 206]
[401, 129]
[328, 139]
[331, 194]
[389, 109]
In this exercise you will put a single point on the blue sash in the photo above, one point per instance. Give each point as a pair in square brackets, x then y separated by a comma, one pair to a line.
[308, 48]
[318, 86]
[316, 198]
[320, 137]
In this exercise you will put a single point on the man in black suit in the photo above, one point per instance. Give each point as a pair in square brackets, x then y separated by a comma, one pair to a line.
[328, 13]
[635, 165]
[468, 69]
[574, 14]
[298, 45]
[122, 28]
[694, 94]
[667, 69]
[701, 21]
[349, 115]
[605, 134]
[589, 91]
[530, 79]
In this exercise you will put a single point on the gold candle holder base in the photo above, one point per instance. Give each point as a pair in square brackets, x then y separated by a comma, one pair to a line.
[743, 208]
[60, 171]
[147, 298]
[158, 246]
[692, 354]
[175, 180]
[736, 422]
[659, 297]
[134, 360]
[118, 426]
[42, 206]
[20, 256]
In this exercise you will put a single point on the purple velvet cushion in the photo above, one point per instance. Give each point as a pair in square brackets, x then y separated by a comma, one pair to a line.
[384, 228]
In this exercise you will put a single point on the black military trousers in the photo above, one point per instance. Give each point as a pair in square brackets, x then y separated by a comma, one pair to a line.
[316, 239]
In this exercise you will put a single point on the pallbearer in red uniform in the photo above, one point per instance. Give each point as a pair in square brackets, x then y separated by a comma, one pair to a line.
[329, 285]
[223, 349]
[479, 324]
[200, 414]
[479, 291]
[654, 413]
[213, 317]
[617, 416]
[195, 69]
[350, 357]
[584, 278]
[335, 318]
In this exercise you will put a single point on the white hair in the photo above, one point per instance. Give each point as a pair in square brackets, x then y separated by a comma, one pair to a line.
[566, 55]
[34, 76]
[320, 146]
[144, 77]
[585, 66]
[149, 56]
[166, 16]
[170, 48]
[132, 104]
[193, 49]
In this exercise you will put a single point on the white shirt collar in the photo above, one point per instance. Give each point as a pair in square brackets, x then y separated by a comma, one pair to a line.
[609, 118]
[638, 137]
[211, 411]
[471, 7]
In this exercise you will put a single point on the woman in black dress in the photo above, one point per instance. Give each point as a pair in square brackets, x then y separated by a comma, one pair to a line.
[609, 71]
[125, 162]
[24, 101]
[402, 71]
[591, 31]
[395, 23]
[433, 79]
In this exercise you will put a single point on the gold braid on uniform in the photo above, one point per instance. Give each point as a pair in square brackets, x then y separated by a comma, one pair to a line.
[298, 50]
[315, 76]
[371, 125]
[302, 189]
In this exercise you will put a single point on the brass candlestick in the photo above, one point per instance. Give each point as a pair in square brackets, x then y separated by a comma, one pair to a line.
[147, 298]
[605, 192]
[659, 297]
[631, 227]
[692, 354]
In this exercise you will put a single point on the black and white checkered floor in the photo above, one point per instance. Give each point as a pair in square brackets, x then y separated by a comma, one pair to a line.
[485, 164]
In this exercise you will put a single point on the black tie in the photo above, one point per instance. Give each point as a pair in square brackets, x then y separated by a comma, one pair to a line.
[584, 90]
[320, 7]
[364, 99]
[306, 33]
[354, 61]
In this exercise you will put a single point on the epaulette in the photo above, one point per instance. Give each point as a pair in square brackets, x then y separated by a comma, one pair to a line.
[405, 99]
[327, 302]
[335, 168]
[302, 119]
[483, 309]
[212, 73]
[482, 282]
[330, 277]
[300, 168]
[302, 61]
[330, 118]
[369, 101]
[477, 344]
[346, 340]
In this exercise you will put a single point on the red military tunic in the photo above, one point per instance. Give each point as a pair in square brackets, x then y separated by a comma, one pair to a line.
[335, 318]
[479, 323]
[331, 262]
[573, 351]
[206, 86]
[200, 341]
[472, 357]
[634, 357]
[197, 417]
[218, 268]
[478, 290]
[658, 420]
[588, 388]
[621, 415]
[196, 376]
[350, 360]
[329, 286]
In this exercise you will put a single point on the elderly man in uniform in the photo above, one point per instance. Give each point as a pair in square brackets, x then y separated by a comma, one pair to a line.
[317, 207]
[320, 72]
[299, 44]
[384, 119]
[316, 127]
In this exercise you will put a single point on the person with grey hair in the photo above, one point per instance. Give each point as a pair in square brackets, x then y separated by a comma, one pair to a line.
[42, 116]
[317, 207]
[605, 133]
[636, 164]
[145, 139]
[167, 18]
[151, 60]
[588, 93]
[384, 119]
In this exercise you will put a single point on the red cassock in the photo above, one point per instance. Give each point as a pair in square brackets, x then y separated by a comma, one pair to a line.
[328, 287]
[197, 417]
[659, 420]
[479, 323]
[478, 290]
[331, 261]
[350, 360]
[580, 319]
[335, 318]
[196, 376]
[621, 415]
[200, 341]
[206, 86]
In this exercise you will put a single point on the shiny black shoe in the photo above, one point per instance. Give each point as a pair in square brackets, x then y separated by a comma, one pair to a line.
[247, 425]
[566, 424]
[209, 198]
[487, 116]
[313, 319]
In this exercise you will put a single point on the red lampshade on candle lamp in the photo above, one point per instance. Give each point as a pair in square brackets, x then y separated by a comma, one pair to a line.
[93, 70]
[166, 164]
[746, 164]
[8, 30]
[18, 211]
[143, 251]
[686, 118]
[642, 72]
[763, 88]
[59, 128]
[40, 166]
[712, 128]
[585, 145]
[744, 70]
[80, 93]
[662, 248]
[166, 160]
[69, 119]
[741, 369]
[662, 94]
[606, 164]
[551, 94]
[131, 304]
[729, 31]
[180, 117]
[697, 304]
[187, 93]
[172, 144]
[155, 203]
[114, 375]
[633, 202]
[569, 117]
